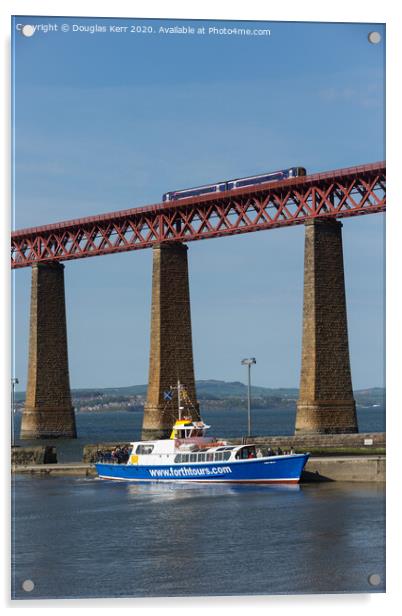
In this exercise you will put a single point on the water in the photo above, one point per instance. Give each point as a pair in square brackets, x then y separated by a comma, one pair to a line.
[77, 537]
[122, 426]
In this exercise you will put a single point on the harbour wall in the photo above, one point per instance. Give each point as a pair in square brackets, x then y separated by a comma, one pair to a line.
[345, 468]
[306, 442]
[24, 456]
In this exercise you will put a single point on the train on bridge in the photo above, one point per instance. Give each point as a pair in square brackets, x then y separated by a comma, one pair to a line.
[272, 176]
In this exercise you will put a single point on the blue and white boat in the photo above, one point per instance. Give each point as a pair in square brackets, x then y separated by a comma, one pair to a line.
[191, 456]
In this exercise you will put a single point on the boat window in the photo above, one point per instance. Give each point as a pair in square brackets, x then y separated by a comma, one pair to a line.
[201, 457]
[242, 454]
[193, 457]
[245, 453]
[226, 455]
[178, 458]
[219, 455]
[144, 449]
[184, 457]
[210, 457]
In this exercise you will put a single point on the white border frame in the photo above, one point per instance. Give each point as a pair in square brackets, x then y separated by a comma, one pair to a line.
[293, 10]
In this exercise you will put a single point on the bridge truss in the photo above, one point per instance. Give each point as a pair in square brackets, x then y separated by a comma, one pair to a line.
[341, 193]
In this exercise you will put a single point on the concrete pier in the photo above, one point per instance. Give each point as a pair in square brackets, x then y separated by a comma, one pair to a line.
[48, 411]
[326, 404]
[171, 352]
[74, 469]
[345, 468]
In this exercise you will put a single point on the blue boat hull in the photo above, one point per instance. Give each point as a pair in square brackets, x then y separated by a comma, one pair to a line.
[278, 469]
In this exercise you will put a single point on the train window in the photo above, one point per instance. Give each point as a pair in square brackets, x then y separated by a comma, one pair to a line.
[261, 179]
[247, 182]
[194, 192]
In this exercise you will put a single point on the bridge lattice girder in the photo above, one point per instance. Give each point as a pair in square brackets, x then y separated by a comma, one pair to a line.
[335, 194]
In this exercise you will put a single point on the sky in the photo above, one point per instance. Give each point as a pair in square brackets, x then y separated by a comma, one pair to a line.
[106, 121]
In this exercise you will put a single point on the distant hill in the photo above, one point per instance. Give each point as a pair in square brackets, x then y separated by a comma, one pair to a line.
[211, 389]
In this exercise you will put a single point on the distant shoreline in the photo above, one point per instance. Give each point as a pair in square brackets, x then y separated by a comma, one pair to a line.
[211, 395]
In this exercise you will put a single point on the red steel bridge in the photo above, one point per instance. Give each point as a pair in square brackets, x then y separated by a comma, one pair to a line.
[340, 193]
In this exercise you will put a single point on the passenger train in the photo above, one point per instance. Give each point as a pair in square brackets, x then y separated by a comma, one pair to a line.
[273, 176]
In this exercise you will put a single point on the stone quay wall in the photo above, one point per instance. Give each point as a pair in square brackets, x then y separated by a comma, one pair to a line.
[25, 456]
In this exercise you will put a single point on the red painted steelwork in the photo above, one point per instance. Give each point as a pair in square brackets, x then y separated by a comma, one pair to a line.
[335, 194]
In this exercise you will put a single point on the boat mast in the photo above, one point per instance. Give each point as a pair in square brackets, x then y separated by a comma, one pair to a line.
[178, 397]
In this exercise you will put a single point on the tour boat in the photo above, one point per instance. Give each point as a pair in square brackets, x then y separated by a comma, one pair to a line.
[191, 456]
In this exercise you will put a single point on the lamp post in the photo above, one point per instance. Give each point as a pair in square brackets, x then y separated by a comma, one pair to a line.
[14, 382]
[249, 362]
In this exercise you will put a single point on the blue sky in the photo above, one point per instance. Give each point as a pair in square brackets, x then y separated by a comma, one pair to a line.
[110, 121]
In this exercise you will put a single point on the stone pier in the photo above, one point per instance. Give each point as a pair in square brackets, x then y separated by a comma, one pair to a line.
[326, 404]
[171, 352]
[48, 411]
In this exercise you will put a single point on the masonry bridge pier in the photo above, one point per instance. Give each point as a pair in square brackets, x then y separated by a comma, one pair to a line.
[325, 404]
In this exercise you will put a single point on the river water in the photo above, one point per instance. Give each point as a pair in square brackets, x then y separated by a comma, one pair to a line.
[81, 537]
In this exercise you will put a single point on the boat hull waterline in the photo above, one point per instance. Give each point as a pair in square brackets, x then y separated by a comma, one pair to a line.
[276, 469]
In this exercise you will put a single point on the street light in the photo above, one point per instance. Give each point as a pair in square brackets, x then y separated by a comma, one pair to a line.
[14, 382]
[249, 362]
